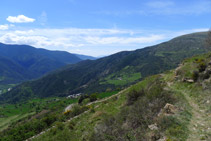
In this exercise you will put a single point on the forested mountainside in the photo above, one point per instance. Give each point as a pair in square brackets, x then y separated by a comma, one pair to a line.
[115, 71]
[23, 62]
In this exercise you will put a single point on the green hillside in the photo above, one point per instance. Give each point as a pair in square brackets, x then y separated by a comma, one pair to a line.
[115, 71]
[21, 62]
[173, 106]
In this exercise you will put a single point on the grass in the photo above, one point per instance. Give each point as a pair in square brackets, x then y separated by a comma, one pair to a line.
[85, 123]
[10, 113]
[4, 88]
[5, 122]
[106, 94]
[13, 112]
[124, 77]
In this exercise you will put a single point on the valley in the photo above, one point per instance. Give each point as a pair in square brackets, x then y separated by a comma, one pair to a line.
[121, 101]
[105, 70]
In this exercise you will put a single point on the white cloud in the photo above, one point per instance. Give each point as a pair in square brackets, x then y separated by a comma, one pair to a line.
[20, 19]
[4, 27]
[89, 41]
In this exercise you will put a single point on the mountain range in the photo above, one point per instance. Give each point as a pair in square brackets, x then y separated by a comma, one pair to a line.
[22, 62]
[172, 106]
[111, 72]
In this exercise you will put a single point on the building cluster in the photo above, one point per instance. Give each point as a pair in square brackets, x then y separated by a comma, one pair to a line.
[74, 95]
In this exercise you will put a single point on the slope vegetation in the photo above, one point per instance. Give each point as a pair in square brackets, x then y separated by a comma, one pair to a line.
[172, 106]
[118, 70]
[169, 106]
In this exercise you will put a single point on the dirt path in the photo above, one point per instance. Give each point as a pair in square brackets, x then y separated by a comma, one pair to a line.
[200, 124]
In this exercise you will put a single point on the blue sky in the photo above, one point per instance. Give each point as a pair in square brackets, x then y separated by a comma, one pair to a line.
[100, 27]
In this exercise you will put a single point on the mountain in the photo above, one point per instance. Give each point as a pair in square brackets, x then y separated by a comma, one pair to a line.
[85, 57]
[172, 106]
[22, 62]
[118, 70]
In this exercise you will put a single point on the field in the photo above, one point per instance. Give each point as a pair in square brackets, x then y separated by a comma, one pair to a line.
[4, 88]
[121, 80]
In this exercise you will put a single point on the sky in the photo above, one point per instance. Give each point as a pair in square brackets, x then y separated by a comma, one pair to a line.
[100, 27]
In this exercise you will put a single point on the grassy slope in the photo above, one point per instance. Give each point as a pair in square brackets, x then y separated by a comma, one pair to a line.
[191, 121]
[11, 113]
[86, 122]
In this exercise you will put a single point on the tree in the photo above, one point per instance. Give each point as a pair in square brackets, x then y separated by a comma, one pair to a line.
[93, 97]
[208, 41]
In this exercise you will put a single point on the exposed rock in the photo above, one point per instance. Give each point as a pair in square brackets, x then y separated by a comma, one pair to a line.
[169, 109]
[153, 126]
[188, 80]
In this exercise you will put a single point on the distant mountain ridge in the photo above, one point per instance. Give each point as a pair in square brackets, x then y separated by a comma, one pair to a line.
[85, 57]
[23, 62]
[109, 72]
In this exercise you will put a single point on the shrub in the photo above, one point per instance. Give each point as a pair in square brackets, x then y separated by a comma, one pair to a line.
[195, 75]
[85, 101]
[82, 97]
[77, 110]
[205, 76]
[93, 97]
[133, 96]
[202, 66]
[199, 60]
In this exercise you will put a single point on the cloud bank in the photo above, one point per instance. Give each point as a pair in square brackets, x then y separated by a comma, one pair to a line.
[89, 41]
[4, 27]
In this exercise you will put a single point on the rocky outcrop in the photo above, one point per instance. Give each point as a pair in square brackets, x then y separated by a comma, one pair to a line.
[168, 109]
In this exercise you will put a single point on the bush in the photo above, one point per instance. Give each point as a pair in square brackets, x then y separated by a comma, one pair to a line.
[202, 66]
[93, 97]
[133, 96]
[195, 75]
[82, 97]
[144, 106]
[205, 76]
[77, 110]
[199, 60]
